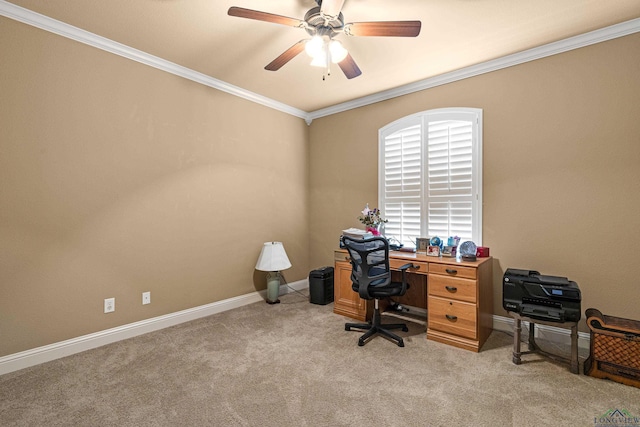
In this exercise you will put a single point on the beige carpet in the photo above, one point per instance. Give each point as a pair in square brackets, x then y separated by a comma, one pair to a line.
[293, 364]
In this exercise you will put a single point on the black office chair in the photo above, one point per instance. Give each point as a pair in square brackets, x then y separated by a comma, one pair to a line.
[371, 278]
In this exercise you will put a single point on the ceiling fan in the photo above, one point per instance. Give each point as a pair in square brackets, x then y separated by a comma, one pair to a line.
[323, 23]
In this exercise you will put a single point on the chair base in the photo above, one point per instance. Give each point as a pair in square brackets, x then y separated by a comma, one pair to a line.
[376, 327]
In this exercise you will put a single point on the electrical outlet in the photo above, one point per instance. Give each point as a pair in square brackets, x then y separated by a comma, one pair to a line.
[146, 298]
[109, 305]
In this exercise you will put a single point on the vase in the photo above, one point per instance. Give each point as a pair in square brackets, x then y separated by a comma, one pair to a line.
[375, 230]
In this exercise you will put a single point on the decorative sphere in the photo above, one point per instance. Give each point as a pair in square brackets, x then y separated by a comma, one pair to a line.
[435, 241]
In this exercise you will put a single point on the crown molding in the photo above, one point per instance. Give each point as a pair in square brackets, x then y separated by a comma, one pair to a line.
[46, 23]
[576, 42]
[57, 27]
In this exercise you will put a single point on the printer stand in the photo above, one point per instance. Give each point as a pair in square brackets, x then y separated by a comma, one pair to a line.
[533, 347]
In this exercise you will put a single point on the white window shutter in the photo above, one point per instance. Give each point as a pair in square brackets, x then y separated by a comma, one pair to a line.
[401, 171]
[404, 220]
[449, 174]
[402, 163]
[430, 175]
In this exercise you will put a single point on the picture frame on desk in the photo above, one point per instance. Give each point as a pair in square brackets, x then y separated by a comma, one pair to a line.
[433, 250]
[449, 251]
[422, 243]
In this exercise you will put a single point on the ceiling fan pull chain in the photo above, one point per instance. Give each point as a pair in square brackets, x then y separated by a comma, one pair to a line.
[328, 53]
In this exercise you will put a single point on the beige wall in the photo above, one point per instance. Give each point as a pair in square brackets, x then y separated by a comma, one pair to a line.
[116, 178]
[561, 168]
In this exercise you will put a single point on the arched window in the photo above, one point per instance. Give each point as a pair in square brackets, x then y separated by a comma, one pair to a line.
[430, 175]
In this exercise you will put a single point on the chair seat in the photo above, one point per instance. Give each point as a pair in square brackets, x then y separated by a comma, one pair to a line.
[391, 290]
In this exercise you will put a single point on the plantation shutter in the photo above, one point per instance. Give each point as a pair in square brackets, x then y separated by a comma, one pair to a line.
[449, 167]
[430, 175]
[402, 188]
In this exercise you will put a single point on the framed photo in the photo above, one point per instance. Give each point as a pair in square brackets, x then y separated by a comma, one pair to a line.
[449, 251]
[422, 243]
[433, 250]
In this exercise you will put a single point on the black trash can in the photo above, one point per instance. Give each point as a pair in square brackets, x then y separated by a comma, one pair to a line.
[321, 286]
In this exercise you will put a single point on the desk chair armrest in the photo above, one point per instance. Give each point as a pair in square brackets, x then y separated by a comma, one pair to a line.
[406, 266]
[404, 269]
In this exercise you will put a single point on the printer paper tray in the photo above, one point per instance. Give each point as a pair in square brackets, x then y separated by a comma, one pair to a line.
[542, 313]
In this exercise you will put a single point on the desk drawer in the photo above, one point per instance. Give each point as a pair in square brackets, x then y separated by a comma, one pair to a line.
[452, 287]
[341, 256]
[420, 267]
[454, 317]
[453, 270]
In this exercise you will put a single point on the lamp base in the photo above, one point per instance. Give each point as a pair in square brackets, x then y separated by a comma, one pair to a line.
[273, 288]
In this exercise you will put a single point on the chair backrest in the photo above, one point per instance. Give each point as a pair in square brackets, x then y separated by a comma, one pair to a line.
[369, 263]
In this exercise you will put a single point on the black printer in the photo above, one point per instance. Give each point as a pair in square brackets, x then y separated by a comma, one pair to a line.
[531, 294]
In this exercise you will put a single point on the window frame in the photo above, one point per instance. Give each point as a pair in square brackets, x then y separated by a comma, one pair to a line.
[474, 115]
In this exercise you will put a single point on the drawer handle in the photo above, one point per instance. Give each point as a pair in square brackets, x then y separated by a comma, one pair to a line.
[451, 271]
[450, 317]
[451, 288]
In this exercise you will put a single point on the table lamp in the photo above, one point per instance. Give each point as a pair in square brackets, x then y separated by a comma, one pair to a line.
[273, 258]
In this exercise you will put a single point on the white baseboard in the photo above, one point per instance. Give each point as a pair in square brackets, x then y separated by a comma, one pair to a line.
[549, 333]
[296, 286]
[47, 353]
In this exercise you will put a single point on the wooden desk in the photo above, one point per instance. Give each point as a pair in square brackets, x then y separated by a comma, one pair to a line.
[458, 296]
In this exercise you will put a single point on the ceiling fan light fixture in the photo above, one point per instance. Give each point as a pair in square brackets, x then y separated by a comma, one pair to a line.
[314, 47]
[319, 61]
[337, 50]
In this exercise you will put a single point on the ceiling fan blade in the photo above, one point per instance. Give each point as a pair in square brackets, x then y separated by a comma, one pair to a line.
[241, 12]
[286, 56]
[331, 8]
[349, 67]
[384, 28]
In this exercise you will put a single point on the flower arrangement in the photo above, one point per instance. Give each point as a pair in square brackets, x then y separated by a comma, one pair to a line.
[371, 218]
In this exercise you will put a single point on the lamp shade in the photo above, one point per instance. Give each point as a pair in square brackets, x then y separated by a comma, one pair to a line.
[273, 257]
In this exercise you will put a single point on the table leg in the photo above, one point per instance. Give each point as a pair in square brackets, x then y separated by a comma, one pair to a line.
[533, 347]
[532, 337]
[516, 341]
[575, 366]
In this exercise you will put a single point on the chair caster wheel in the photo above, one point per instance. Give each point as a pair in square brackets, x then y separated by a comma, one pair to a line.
[401, 344]
[360, 343]
[405, 329]
[346, 328]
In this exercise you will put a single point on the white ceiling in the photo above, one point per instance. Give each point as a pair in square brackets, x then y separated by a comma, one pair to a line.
[199, 35]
